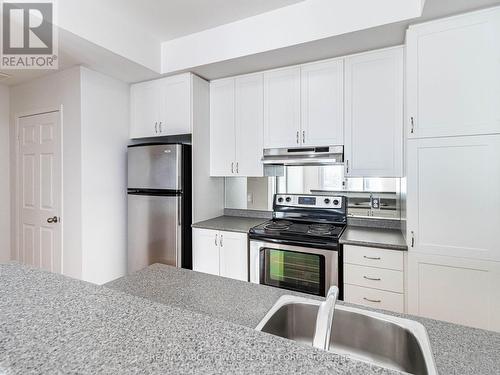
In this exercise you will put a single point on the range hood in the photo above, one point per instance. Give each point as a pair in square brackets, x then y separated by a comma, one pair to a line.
[328, 155]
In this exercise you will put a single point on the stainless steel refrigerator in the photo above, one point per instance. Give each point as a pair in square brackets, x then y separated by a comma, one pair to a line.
[159, 205]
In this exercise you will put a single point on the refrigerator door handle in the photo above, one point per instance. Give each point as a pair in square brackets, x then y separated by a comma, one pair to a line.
[179, 213]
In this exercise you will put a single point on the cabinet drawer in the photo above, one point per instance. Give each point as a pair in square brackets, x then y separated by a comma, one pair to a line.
[374, 257]
[371, 277]
[378, 299]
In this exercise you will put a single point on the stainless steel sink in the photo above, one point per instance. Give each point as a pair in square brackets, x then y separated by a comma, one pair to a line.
[384, 340]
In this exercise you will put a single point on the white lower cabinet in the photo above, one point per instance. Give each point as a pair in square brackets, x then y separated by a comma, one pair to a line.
[457, 290]
[374, 277]
[375, 298]
[206, 251]
[220, 253]
[233, 261]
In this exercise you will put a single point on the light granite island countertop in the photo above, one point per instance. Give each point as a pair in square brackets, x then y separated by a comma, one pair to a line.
[457, 349]
[53, 324]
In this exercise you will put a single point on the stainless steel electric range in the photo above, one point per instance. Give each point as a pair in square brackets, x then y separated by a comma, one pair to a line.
[299, 248]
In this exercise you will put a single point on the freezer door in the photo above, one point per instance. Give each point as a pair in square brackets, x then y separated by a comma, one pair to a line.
[155, 167]
[154, 231]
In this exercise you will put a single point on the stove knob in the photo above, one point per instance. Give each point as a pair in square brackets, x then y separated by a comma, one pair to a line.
[336, 202]
[288, 199]
[280, 200]
[327, 201]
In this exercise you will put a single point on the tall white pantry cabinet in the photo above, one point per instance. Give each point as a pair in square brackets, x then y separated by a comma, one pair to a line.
[453, 169]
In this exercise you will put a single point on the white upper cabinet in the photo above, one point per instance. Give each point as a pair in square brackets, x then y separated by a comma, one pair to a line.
[453, 76]
[374, 105]
[322, 106]
[236, 126]
[161, 107]
[282, 108]
[453, 196]
[145, 99]
[176, 105]
[222, 130]
[249, 125]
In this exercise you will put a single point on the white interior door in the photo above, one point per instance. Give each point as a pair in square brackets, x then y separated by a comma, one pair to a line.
[40, 191]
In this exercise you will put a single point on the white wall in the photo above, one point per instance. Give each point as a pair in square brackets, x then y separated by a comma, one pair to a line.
[4, 175]
[49, 93]
[105, 108]
[208, 192]
[296, 24]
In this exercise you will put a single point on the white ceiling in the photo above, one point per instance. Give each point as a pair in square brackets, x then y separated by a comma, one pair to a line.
[342, 45]
[173, 18]
[170, 19]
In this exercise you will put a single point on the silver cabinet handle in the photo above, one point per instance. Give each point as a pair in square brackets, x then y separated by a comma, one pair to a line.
[232, 167]
[298, 141]
[160, 127]
[221, 240]
[156, 127]
[216, 235]
[412, 239]
[412, 122]
[237, 167]
[347, 166]
[371, 278]
[303, 136]
[372, 300]
[371, 258]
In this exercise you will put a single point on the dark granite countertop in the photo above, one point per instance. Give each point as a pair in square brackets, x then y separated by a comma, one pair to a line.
[374, 237]
[230, 223]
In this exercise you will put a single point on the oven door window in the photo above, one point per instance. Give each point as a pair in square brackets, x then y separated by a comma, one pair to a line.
[301, 272]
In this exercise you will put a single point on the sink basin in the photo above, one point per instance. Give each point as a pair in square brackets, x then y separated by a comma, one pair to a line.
[379, 339]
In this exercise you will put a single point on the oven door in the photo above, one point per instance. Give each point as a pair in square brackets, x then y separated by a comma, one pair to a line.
[300, 269]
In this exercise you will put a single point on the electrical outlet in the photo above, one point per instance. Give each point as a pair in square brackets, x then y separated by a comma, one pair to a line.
[375, 203]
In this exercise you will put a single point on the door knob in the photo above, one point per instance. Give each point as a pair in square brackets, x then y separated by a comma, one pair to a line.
[52, 220]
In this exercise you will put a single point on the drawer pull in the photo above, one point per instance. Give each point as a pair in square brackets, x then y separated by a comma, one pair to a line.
[371, 278]
[372, 258]
[372, 300]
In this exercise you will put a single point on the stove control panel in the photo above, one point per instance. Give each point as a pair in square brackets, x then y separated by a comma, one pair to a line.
[311, 201]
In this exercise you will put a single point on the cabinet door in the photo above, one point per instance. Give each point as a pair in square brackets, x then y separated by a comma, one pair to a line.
[145, 100]
[374, 114]
[456, 290]
[222, 137]
[322, 106]
[454, 76]
[234, 255]
[249, 129]
[206, 251]
[453, 200]
[175, 109]
[282, 108]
